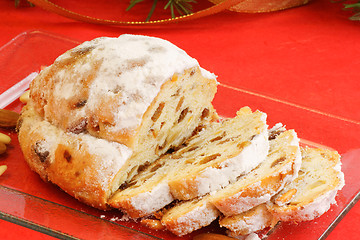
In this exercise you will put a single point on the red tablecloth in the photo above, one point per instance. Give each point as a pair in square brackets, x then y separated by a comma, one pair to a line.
[308, 56]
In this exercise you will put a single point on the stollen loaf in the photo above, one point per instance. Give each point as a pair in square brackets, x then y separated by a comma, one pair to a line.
[142, 94]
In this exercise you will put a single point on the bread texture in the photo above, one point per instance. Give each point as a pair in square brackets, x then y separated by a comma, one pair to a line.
[208, 161]
[312, 193]
[141, 92]
[307, 197]
[253, 220]
[188, 216]
[280, 168]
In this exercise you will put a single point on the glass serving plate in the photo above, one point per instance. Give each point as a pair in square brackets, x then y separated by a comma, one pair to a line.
[28, 201]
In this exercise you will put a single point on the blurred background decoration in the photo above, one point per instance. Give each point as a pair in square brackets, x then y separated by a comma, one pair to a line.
[183, 8]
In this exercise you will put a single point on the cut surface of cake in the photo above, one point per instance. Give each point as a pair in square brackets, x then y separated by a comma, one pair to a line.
[226, 149]
[312, 193]
[189, 216]
[280, 168]
[284, 145]
[253, 220]
[307, 197]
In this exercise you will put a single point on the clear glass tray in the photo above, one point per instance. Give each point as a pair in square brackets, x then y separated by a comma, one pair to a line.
[28, 201]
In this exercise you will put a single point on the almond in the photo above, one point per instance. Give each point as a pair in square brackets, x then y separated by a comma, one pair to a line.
[5, 138]
[152, 224]
[24, 98]
[2, 169]
[212, 236]
[8, 119]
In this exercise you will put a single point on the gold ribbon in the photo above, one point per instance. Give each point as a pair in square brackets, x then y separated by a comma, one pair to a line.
[49, 6]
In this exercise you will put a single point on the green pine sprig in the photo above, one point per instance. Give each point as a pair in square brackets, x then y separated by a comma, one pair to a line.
[17, 3]
[354, 7]
[182, 7]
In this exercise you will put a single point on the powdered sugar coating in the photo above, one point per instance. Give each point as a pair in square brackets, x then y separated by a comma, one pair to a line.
[253, 223]
[150, 201]
[245, 203]
[311, 211]
[312, 208]
[212, 179]
[320, 205]
[131, 66]
[230, 203]
[196, 218]
[253, 236]
[110, 156]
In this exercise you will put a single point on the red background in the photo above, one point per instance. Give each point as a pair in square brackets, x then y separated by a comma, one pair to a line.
[307, 56]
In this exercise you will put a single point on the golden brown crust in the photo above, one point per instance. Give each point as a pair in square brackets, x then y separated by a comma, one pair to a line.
[65, 159]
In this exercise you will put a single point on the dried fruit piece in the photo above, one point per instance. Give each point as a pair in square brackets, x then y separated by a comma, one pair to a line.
[278, 161]
[286, 196]
[8, 119]
[157, 112]
[183, 114]
[41, 151]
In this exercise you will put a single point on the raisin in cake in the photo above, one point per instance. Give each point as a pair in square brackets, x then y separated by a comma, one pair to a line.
[141, 92]
[208, 161]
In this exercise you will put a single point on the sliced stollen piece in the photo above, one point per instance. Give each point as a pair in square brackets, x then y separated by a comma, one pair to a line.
[189, 216]
[253, 220]
[140, 91]
[80, 164]
[317, 165]
[280, 167]
[209, 160]
[311, 194]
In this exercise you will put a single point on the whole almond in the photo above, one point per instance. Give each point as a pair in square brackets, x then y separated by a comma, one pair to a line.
[24, 98]
[212, 236]
[2, 148]
[2, 169]
[8, 119]
[5, 138]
